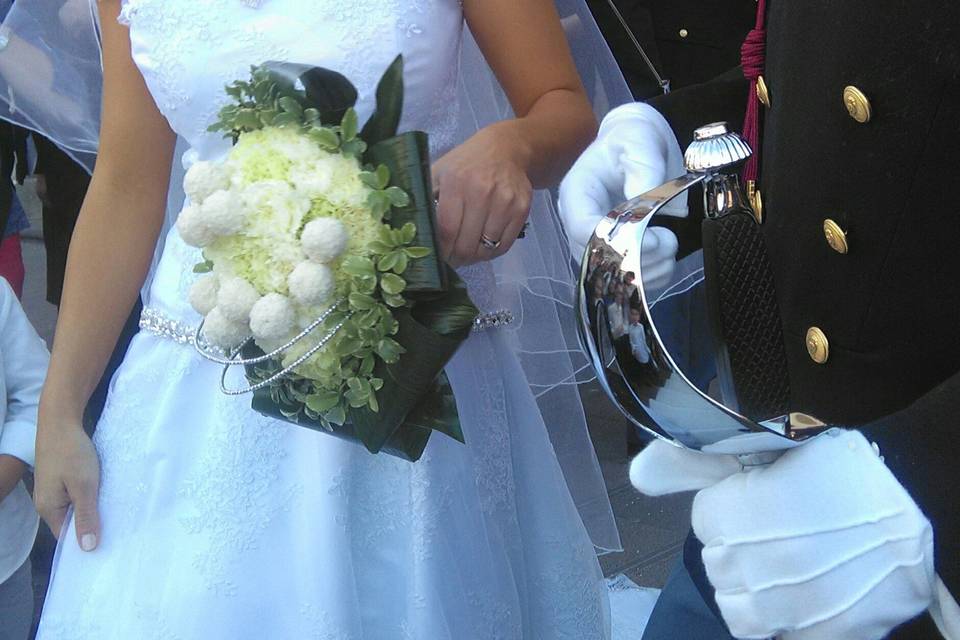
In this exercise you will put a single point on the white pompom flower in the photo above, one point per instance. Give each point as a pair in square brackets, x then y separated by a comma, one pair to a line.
[324, 239]
[311, 283]
[220, 331]
[192, 228]
[236, 298]
[205, 178]
[203, 293]
[224, 213]
[273, 317]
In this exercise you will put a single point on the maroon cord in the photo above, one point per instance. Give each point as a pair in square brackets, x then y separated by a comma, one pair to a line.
[753, 58]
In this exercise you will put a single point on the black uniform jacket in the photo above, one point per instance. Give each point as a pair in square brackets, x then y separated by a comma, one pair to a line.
[889, 308]
[688, 41]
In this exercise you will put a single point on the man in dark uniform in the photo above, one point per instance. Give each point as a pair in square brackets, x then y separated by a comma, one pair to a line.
[858, 105]
[687, 41]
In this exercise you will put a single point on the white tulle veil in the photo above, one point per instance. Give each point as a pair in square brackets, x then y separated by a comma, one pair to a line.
[50, 81]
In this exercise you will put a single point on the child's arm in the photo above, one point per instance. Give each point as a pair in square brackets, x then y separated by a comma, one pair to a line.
[24, 356]
[11, 470]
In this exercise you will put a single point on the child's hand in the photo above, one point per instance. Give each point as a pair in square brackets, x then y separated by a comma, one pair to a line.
[11, 470]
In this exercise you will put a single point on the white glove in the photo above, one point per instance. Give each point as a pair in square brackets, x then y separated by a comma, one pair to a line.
[634, 152]
[823, 543]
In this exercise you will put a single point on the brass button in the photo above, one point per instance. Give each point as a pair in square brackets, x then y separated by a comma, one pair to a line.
[817, 345]
[762, 92]
[836, 236]
[858, 106]
[684, 33]
[756, 200]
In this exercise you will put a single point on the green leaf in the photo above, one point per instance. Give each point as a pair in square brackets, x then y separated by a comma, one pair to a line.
[355, 147]
[398, 197]
[389, 350]
[385, 119]
[325, 137]
[379, 248]
[392, 284]
[247, 119]
[348, 346]
[370, 179]
[383, 176]
[417, 252]
[286, 120]
[203, 267]
[311, 115]
[361, 301]
[323, 401]
[292, 106]
[348, 125]
[358, 266]
[394, 301]
[408, 232]
[266, 117]
[401, 265]
[336, 416]
[388, 262]
[373, 404]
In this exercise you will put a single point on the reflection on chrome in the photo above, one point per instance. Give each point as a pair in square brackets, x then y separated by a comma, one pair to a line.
[652, 346]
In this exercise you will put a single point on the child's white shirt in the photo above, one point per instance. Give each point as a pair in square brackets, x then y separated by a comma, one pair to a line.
[23, 367]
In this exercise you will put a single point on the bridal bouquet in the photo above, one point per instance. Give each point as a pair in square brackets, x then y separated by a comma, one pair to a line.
[320, 265]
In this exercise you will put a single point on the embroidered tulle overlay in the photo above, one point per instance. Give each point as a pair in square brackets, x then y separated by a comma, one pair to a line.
[219, 523]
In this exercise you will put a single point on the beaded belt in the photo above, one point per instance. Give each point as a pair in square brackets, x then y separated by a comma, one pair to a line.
[163, 326]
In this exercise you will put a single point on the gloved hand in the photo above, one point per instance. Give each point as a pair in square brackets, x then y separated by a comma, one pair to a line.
[634, 152]
[824, 543]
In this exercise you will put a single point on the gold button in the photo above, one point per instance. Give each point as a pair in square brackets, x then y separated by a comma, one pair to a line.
[858, 106]
[762, 92]
[817, 345]
[684, 33]
[836, 236]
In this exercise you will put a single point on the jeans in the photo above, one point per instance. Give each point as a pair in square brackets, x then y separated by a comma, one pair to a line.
[16, 604]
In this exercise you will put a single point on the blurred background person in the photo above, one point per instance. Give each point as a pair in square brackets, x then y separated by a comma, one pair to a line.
[13, 219]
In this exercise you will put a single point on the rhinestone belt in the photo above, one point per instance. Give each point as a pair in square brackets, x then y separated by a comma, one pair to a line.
[159, 324]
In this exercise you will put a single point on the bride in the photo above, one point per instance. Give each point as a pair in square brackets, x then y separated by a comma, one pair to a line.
[194, 517]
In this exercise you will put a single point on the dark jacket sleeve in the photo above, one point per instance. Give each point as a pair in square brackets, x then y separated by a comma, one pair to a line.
[920, 445]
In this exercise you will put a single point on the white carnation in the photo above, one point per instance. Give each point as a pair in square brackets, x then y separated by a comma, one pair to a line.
[311, 283]
[223, 332]
[236, 298]
[203, 294]
[314, 178]
[193, 230]
[224, 213]
[324, 239]
[203, 179]
[272, 317]
[274, 209]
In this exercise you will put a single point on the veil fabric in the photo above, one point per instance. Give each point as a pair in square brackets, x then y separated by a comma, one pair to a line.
[51, 81]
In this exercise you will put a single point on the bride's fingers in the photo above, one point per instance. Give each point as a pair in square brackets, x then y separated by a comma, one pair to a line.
[476, 211]
[53, 510]
[449, 220]
[83, 493]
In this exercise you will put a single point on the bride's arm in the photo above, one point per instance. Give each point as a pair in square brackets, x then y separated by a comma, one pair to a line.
[486, 184]
[109, 256]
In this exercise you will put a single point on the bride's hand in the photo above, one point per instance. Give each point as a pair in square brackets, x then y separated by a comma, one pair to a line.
[484, 195]
[68, 473]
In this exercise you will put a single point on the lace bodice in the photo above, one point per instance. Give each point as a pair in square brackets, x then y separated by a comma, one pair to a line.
[188, 50]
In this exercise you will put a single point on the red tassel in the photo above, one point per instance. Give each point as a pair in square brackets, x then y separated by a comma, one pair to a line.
[753, 59]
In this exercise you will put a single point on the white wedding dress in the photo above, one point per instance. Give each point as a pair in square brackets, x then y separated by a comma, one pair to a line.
[221, 524]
